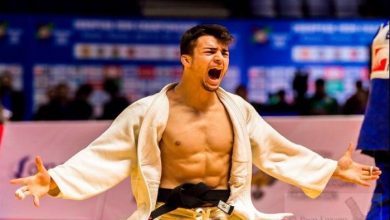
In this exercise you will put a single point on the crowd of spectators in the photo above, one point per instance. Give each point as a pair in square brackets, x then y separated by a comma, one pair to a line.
[62, 104]
[318, 103]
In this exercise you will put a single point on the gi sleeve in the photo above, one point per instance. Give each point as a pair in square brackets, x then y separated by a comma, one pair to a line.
[287, 161]
[103, 163]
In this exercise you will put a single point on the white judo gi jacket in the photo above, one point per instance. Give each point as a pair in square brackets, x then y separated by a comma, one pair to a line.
[130, 147]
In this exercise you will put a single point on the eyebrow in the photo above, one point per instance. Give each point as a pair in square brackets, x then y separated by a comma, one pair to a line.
[214, 49]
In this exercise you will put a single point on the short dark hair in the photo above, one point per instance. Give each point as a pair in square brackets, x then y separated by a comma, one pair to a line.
[188, 40]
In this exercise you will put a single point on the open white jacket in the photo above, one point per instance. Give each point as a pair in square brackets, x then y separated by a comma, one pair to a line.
[130, 146]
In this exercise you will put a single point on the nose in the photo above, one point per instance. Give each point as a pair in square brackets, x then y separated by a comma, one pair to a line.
[218, 58]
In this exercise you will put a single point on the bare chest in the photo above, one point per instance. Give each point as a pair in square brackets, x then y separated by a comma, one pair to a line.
[191, 133]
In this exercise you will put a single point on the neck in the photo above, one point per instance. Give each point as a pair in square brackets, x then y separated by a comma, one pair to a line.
[195, 96]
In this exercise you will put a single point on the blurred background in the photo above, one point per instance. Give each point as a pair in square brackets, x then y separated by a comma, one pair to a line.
[88, 60]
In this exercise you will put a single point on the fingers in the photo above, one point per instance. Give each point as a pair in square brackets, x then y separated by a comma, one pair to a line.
[18, 181]
[366, 180]
[39, 164]
[23, 189]
[36, 200]
[19, 194]
[364, 183]
[351, 149]
[374, 173]
[372, 170]
[369, 173]
[370, 178]
[22, 193]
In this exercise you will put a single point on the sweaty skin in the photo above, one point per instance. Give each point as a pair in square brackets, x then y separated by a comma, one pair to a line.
[196, 146]
[197, 143]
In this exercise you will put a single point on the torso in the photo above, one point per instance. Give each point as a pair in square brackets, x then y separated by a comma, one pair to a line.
[196, 146]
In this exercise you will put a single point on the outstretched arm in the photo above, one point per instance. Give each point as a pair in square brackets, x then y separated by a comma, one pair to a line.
[37, 185]
[351, 171]
[298, 165]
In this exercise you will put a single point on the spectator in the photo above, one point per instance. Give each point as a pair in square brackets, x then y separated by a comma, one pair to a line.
[116, 103]
[12, 101]
[301, 100]
[321, 103]
[356, 104]
[57, 108]
[280, 106]
[79, 107]
[242, 91]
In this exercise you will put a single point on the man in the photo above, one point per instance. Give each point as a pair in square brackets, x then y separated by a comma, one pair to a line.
[321, 103]
[12, 101]
[374, 134]
[189, 149]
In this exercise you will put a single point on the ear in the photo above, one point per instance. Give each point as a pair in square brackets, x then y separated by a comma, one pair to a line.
[186, 60]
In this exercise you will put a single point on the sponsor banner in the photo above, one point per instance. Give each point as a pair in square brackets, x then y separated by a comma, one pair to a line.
[55, 142]
[77, 50]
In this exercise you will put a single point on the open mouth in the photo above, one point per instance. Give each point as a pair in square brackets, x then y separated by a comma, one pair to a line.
[215, 73]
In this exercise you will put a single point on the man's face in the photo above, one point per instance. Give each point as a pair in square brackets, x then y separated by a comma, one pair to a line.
[209, 62]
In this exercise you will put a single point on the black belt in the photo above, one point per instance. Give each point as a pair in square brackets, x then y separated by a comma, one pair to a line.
[190, 195]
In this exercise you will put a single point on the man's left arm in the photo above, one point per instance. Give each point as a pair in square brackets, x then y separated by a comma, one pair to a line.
[298, 165]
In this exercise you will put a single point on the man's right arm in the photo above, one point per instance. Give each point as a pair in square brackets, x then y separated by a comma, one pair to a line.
[96, 168]
[103, 163]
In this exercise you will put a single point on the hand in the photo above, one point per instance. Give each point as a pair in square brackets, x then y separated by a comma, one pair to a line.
[36, 186]
[350, 171]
